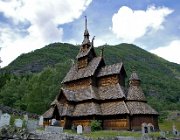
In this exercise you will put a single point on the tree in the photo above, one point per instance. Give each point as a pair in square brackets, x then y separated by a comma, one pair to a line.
[0, 59]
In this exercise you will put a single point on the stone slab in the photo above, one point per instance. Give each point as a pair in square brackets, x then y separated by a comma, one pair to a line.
[54, 129]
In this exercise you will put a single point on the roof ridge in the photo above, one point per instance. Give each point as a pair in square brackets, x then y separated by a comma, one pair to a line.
[126, 107]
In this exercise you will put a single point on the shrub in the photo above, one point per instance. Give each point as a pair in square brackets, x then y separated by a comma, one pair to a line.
[96, 125]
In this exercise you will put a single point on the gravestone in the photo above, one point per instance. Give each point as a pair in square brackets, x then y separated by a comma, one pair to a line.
[32, 125]
[18, 123]
[162, 134]
[79, 129]
[0, 113]
[53, 121]
[87, 129]
[150, 128]
[54, 129]
[26, 117]
[144, 128]
[56, 123]
[41, 120]
[175, 132]
[5, 119]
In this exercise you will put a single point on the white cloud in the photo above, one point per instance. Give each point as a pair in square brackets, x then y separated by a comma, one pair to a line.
[43, 18]
[170, 52]
[130, 24]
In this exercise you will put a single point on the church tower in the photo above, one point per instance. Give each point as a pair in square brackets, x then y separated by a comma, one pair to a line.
[86, 52]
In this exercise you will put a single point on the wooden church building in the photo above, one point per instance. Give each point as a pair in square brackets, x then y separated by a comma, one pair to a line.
[93, 90]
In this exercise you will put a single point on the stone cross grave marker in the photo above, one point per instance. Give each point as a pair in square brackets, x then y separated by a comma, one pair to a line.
[18, 123]
[41, 120]
[79, 129]
[32, 125]
[54, 129]
[5, 119]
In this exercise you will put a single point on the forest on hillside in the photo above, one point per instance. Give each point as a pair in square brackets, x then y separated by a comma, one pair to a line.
[33, 80]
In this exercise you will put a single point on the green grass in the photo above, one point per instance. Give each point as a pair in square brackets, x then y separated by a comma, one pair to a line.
[167, 125]
[111, 133]
[107, 133]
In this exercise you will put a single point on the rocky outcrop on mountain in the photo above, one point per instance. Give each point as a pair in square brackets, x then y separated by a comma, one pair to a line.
[9, 110]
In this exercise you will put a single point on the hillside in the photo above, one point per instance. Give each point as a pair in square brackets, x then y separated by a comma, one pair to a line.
[38, 75]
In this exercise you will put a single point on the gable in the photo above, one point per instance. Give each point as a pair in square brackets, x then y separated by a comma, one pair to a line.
[75, 73]
[111, 70]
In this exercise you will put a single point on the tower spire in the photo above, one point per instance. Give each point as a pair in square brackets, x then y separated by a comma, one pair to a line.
[85, 22]
[86, 33]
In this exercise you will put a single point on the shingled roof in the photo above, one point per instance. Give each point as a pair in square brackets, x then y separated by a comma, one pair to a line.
[86, 93]
[75, 73]
[110, 69]
[85, 109]
[85, 53]
[111, 92]
[134, 76]
[65, 110]
[135, 93]
[81, 94]
[102, 93]
[114, 108]
[140, 108]
[49, 113]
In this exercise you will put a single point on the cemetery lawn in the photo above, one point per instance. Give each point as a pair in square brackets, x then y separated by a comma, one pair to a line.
[167, 125]
[107, 133]
[111, 133]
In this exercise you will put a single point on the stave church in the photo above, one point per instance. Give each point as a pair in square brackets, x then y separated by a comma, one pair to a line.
[93, 90]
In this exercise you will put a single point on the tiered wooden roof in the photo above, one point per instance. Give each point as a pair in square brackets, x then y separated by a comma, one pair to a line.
[135, 93]
[96, 98]
[140, 108]
[110, 69]
[135, 100]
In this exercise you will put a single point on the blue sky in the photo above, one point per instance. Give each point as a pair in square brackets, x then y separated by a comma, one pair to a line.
[27, 25]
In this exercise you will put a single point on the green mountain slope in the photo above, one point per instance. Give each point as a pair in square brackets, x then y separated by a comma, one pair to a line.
[46, 68]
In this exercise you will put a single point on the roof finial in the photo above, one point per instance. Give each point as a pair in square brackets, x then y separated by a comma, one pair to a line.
[133, 69]
[102, 50]
[93, 40]
[85, 22]
[86, 34]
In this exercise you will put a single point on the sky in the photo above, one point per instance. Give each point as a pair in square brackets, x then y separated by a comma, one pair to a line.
[27, 25]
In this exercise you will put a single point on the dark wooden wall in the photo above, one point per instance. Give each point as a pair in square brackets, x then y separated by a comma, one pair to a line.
[81, 122]
[82, 63]
[80, 84]
[137, 120]
[108, 80]
[116, 124]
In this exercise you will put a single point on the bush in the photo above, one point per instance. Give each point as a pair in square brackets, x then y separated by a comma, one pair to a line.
[96, 125]
[163, 116]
